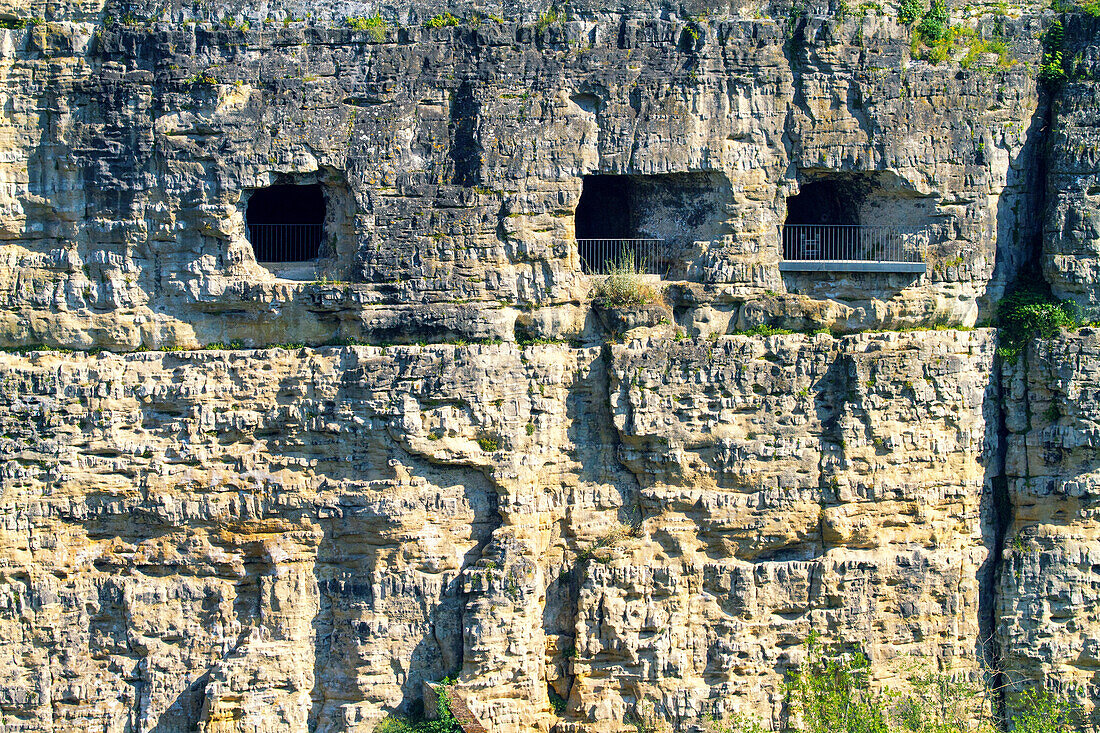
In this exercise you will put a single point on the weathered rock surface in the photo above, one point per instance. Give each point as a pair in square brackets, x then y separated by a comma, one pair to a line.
[1072, 235]
[300, 537]
[1050, 577]
[284, 538]
[453, 158]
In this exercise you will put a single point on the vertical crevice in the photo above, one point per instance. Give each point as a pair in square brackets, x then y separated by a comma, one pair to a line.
[998, 509]
[997, 513]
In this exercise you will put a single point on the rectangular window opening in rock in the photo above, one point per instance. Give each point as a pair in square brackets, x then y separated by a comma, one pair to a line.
[301, 226]
[866, 222]
[286, 222]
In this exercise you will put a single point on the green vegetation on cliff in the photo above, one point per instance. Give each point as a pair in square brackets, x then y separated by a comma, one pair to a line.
[1029, 312]
[831, 693]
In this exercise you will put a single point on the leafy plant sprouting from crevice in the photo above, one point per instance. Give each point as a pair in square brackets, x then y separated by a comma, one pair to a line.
[933, 26]
[547, 19]
[1052, 70]
[909, 11]
[445, 722]
[1028, 312]
[489, 443]
[442, 20]
[626, 285]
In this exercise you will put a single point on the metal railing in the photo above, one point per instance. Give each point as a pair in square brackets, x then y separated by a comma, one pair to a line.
[643, 256]
[285, 242]
[852, 243]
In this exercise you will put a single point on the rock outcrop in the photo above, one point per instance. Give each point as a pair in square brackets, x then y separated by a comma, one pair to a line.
[453, 157]
[1047, 615]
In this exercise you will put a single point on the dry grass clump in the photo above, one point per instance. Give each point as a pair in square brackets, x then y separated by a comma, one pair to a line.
[626, 285]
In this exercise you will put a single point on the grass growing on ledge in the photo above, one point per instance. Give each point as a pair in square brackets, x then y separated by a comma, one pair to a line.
[625, 285]
[765, 330]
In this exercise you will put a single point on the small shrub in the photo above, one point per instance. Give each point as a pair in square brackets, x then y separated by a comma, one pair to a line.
[488, 443]
[942, 702]
[832, 694]
[13, 23]
[375, 25]
[909, 11]
[1042, 711]
[933, 26]
[443, 20]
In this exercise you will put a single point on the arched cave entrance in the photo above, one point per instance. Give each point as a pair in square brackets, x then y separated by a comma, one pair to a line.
[286, 222]
[827, 202]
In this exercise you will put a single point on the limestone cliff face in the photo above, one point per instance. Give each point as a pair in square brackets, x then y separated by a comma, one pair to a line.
[1070, 236]
[646, 515]
[1051, 572]
[284, 538]
[453, 159]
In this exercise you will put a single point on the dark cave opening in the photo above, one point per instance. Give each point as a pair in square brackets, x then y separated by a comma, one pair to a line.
[818, 221]
[827, 202]
[602, 217]
[604, 208]
[286, 222]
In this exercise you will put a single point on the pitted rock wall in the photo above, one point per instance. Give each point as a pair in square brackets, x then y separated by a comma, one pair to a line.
[1051, 570]
[1071, 233]
[301, 537]
[284, 539]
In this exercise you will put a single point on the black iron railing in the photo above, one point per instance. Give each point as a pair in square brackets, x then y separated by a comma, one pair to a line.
[643, 256]
[285, 242]
[851, 243]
